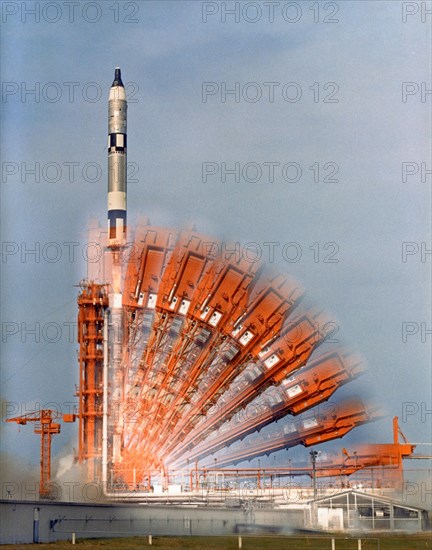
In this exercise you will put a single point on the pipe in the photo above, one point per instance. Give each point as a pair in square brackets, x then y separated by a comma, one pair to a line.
[105, 404]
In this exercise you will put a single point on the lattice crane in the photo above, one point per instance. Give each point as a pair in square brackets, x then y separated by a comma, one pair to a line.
[46, 428]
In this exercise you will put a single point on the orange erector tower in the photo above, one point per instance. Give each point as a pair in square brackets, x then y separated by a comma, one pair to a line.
[180, 335]
[92, 302]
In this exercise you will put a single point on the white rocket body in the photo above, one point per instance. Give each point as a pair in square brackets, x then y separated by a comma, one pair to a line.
[117, 163]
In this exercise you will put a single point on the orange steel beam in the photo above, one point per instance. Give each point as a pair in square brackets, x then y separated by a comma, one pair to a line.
[198, 292]
[333, 423]
[180, 283]
[298, 352]
[311, 431]
[389, 455]
[385, 472]
[310, 386]
[386, 457]
[367, 456]
[283, 356]
[152, 384]
[212, 317]
[46, 428]
[92, 301]
[206, 335]
[147, 259]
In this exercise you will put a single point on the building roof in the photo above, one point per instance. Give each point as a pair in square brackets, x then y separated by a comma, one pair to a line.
[384, 500]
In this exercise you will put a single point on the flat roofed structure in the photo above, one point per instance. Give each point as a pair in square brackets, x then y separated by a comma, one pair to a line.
[364, 511]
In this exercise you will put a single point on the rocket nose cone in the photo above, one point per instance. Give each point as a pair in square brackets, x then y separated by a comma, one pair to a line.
[117, 78]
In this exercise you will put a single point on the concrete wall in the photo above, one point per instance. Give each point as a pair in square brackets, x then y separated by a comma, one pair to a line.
[56, 521]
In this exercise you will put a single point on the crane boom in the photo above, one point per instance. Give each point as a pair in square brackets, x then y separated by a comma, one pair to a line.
[46, 428]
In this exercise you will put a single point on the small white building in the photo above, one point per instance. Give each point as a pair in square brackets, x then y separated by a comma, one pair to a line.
[355, 510]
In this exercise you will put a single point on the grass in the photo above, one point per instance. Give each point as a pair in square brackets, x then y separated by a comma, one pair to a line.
[384, 542]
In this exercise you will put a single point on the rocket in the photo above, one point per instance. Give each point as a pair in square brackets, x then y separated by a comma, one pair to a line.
[117, 163]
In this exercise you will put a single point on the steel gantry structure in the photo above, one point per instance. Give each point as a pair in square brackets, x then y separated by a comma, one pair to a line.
[46, 427]
[210, 348]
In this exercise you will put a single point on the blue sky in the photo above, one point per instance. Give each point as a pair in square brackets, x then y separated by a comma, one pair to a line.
[166, 56]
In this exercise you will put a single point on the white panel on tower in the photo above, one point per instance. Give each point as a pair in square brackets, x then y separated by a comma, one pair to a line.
[215, 318]
[295, 390]
[246, 338]
[272, 360]
[184, 306]
[311, 423]
[151, 304]
[204, 313]
[237, 330]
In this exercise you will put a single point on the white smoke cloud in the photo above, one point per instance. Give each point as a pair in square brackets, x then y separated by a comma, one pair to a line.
[65, 464]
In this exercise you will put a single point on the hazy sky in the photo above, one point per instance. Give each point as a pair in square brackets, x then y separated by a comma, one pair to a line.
[319, 85]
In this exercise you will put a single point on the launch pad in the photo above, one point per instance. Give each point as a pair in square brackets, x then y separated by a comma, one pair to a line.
[194, 360]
